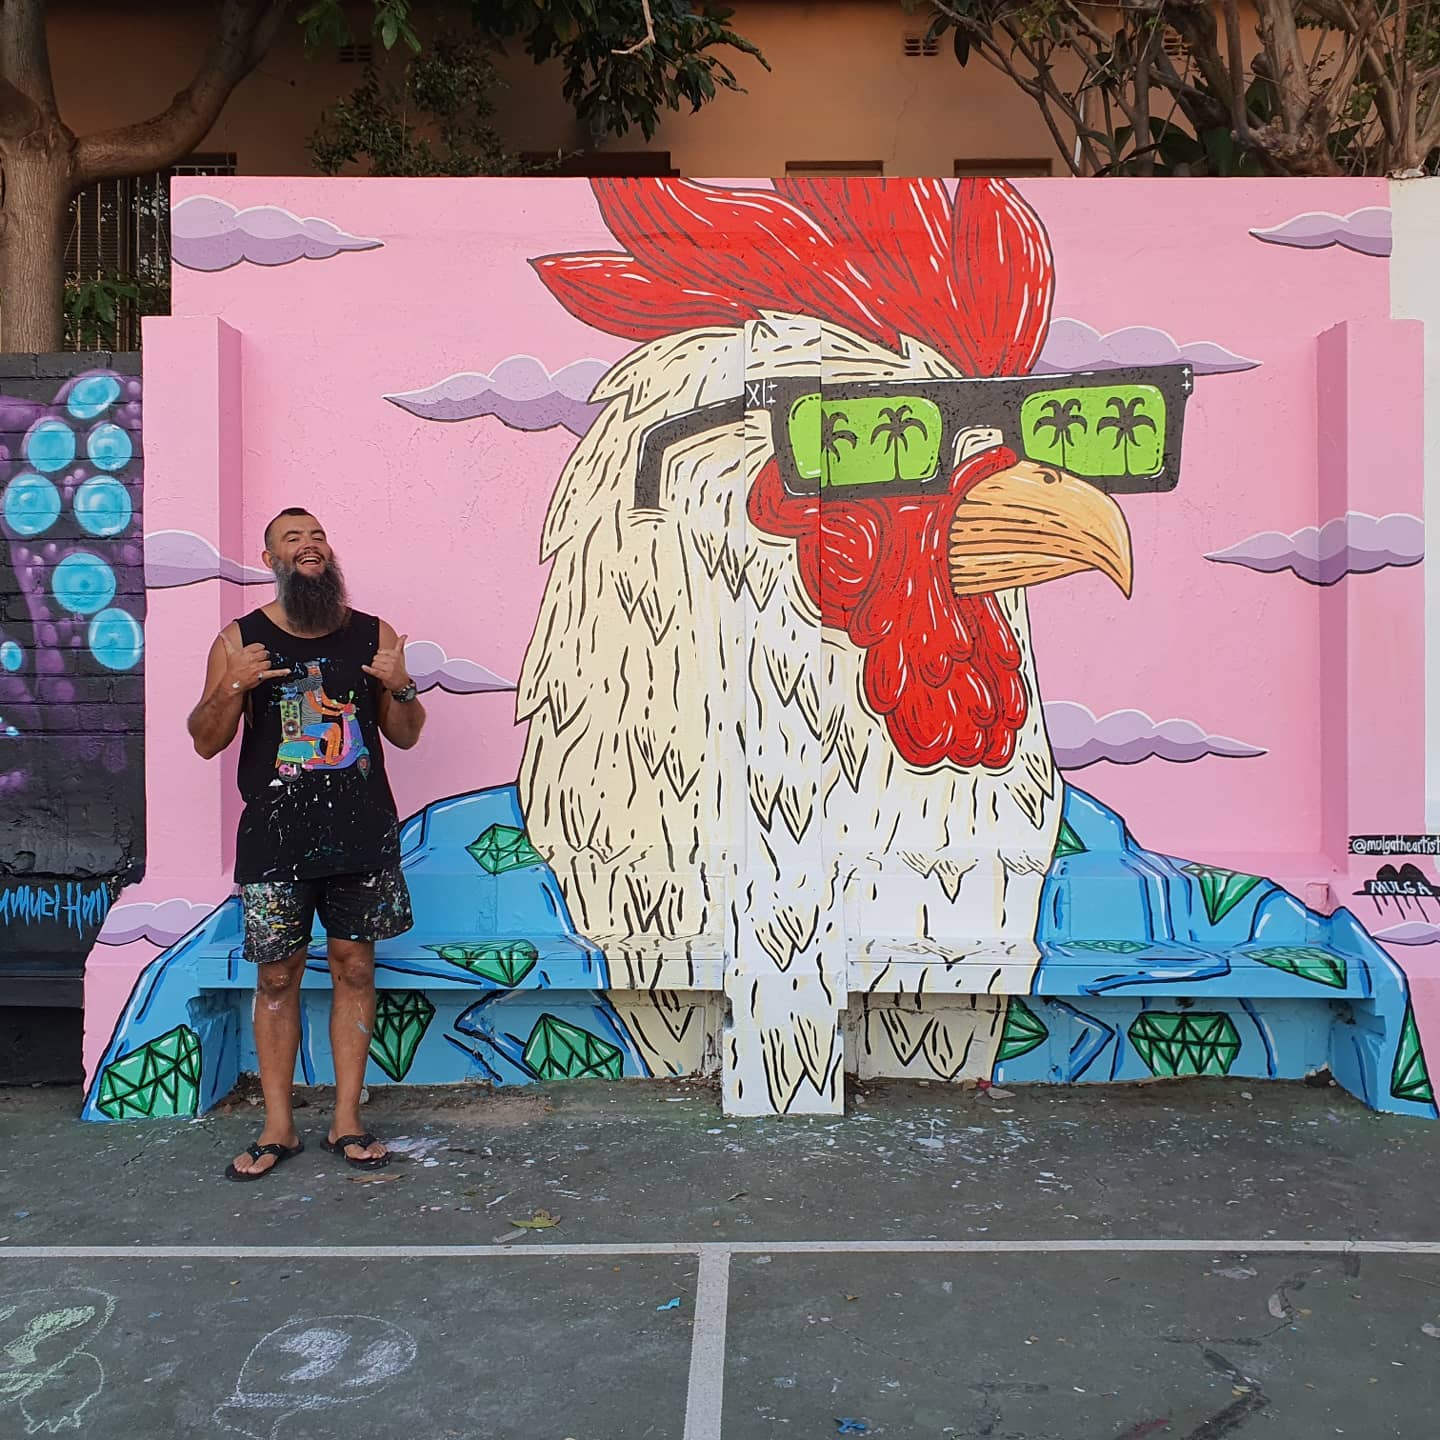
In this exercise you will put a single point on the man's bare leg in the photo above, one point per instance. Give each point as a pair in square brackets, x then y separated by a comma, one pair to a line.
[352, 1021]
[277, 1040]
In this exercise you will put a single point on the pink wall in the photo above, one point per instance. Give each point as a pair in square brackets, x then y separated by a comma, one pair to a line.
[438, 524]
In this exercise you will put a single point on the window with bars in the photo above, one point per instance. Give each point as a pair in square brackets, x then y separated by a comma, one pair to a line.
[120, 230]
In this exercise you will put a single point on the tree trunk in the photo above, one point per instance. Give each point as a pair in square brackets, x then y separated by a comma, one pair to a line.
[34, 228]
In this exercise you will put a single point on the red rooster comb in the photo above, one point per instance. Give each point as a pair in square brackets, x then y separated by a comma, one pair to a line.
[972, 278]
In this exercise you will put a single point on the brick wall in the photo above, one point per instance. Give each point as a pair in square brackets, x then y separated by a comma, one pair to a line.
[72, 611]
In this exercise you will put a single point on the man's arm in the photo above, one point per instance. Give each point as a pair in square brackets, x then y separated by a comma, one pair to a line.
[399, 724]
[231, 673]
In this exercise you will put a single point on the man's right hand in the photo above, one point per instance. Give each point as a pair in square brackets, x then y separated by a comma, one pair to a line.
[247, 668]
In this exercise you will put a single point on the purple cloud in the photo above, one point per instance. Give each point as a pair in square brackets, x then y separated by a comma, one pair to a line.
[429, 667]
[1074, 345]
[1366, 232]
[211, 234]
[179, 557]
[160, 923]
[1126, 737]
[520, 392]
[1350, 544]
[1412, 932]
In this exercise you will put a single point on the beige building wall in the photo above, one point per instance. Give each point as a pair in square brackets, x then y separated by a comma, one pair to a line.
[841, 89]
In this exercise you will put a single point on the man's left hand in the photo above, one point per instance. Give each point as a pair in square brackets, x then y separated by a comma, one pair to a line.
[388, 666]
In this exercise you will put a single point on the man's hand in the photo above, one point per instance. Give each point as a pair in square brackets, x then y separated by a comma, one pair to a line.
[388, 666]
[247, 668]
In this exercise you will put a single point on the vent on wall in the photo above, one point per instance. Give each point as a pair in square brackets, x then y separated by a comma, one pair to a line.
[917, 45]
[1172, 42]
[361, 54]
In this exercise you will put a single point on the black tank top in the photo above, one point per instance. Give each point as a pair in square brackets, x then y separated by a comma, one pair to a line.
[312, 773]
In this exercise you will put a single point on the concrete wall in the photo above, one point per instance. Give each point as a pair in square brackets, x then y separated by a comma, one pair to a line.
[708, 780]
[72, 609]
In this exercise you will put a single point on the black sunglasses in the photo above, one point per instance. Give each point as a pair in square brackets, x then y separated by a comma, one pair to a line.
[1119, 430]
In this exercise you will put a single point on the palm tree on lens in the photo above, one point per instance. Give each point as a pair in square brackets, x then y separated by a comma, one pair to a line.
[833, 430]
[1127, 423]
[895, 427]
[1063, 417]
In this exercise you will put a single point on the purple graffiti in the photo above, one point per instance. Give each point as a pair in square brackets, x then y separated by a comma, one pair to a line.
[1126, 737]
[1366, 232]
[520, 392]
[1350, 544]
[1073, 345]
[72, 602]
[431, 668]
[180, 557]
[209, 234]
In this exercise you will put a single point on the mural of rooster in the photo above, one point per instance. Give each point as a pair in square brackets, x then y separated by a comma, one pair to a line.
[784, 733]
[852, 785]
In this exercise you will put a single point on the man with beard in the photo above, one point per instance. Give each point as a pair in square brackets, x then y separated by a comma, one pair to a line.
[317, 684]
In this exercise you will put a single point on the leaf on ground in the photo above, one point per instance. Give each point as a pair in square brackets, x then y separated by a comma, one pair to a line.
[372, 1179]
[540, 1220]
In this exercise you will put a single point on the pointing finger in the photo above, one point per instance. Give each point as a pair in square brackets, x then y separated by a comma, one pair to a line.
[272, 674]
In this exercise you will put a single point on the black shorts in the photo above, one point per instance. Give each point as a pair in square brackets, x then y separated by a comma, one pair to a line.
[279, 914]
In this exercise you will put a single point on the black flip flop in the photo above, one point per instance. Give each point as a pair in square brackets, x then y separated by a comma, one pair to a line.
[281, 1153]
[373, 1162]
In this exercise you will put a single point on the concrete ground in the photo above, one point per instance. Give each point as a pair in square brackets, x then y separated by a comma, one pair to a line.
[1201, 1260]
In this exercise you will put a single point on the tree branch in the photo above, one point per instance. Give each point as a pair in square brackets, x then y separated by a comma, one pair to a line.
[245, 31]
[649, 37]
[25, 54]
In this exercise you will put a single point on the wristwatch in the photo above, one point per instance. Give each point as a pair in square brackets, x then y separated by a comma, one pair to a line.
[405, 696]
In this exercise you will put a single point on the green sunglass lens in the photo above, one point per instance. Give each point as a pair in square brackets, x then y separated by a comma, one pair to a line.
[1096, 432]
[869, 440]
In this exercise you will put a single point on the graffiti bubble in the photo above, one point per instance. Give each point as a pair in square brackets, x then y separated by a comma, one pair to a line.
[108, 446]
[32, 505]
[93, 396]
[83, 583]
[116, 640]
[50, 446]
[12, 657]
[102, 506]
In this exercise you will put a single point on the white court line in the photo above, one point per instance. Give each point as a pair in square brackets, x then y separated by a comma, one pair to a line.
[721, 1248]
[703, 1399]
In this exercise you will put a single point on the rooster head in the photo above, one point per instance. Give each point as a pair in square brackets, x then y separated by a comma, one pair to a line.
[922, 473]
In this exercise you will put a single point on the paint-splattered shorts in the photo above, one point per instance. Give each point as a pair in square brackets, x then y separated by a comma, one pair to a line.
[279, 914]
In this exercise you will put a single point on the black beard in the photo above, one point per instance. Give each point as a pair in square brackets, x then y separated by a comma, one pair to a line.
[314, 604]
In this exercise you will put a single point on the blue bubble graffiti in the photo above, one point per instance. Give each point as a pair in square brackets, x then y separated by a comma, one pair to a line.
[102, 506]
[32, 505]
[50, 446]
[115, 640]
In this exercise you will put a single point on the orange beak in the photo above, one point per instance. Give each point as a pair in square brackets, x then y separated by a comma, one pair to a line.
[1033, 523]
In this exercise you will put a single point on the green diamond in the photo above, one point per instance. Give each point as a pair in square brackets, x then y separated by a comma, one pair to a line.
[1023, 1031]
[558, 1050]
[401, 1020]
[1111, 947]
[502, 848]
[1185, 1042]
[1067, 842]
[161, 1077]
[1222, 890]
[1410, 1079]
[506, 963]
[1322, 966]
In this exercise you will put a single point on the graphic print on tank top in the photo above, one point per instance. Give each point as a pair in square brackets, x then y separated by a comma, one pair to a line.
[318, 733]
[312, 770]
